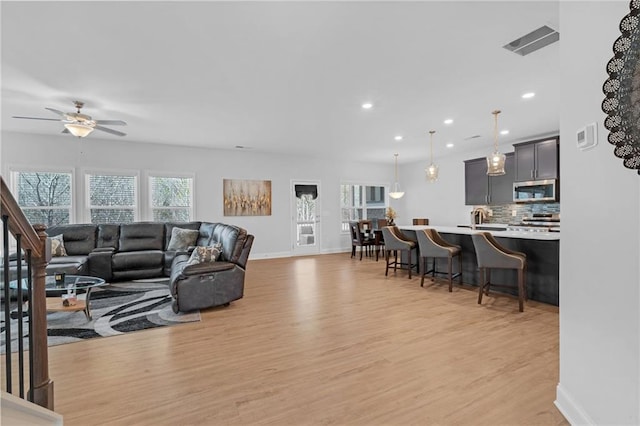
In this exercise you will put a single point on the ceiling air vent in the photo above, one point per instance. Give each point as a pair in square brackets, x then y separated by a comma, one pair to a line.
[533, 41]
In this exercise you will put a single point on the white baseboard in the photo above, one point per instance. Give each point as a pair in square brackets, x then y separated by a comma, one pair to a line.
[336, 250]
[570, 409]
[277, 255]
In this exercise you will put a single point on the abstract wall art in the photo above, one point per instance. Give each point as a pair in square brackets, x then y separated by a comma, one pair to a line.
[247, 197]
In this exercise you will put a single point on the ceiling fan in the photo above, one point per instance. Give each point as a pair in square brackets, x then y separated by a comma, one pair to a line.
[79, 124]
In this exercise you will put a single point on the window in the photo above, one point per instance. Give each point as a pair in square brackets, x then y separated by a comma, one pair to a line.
[171, 198]
[112, 198]
[361, 202]
[45, 197]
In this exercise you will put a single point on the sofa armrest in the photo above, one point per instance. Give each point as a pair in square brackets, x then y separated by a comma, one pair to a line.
[187, 251]
[100, 263]
[207, 268]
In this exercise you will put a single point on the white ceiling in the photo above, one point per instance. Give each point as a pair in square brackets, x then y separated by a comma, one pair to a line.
[284, 77]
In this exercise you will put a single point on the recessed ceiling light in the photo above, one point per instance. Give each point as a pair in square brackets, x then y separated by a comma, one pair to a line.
[398, 138]
[367, 105]
[448, 121]
[449, 145]
[528, 95]
[504, 132]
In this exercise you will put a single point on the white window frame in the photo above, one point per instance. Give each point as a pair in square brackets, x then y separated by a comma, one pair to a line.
[14, 170]
[87, 173]
[363, 206]
[149, 205]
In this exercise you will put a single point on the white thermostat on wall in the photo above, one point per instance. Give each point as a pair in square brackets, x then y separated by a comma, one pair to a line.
[587, 137]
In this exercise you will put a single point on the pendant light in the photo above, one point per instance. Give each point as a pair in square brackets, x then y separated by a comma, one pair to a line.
[495, 161]
[397, 192]
[432, 170]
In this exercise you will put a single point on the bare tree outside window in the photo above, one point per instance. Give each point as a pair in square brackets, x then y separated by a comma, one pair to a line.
[112, 198]
[171, 198]
[45, 197]
[306, 219]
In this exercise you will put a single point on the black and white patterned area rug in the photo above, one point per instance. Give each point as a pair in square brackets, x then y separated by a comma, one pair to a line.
[116, 309]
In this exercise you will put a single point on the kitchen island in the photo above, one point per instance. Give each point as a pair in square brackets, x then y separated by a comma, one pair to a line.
[542, 250]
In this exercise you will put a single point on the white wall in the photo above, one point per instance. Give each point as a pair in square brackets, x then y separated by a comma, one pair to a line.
[273, 233]
[600, 249]
[442, 201]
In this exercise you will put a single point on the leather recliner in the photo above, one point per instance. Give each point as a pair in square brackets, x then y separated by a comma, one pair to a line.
[204, 285]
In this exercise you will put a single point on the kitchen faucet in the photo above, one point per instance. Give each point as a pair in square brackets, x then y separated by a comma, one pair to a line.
[478, 215]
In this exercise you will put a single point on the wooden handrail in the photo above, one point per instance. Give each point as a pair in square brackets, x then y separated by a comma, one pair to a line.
[19, 225]
[34, 239]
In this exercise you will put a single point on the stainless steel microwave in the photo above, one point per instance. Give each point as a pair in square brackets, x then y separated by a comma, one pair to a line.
[535, 191]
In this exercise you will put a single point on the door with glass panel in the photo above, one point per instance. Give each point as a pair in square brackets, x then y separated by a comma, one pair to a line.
[306, 217]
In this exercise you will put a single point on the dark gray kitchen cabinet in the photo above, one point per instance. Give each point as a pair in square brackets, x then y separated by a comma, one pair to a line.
[481, 189]
[537, 160]
[476, 182]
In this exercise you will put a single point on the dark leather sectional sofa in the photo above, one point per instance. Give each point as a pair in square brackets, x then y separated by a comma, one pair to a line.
[140, 250]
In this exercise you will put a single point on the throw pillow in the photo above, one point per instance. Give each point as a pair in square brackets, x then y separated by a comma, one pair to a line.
[57, 246]
[181, 238]
[203, 254]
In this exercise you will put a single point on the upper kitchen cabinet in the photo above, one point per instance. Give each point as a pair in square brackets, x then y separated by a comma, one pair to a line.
[481, 189]
[476, 182]
[537, 160]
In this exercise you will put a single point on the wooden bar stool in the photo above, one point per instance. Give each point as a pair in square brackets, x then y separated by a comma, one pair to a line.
[492, 255]
[395, 242]
[432, 245]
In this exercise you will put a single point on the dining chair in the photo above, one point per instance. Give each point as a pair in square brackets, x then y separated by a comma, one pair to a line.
[378, 237]
[421, 221]
[432, 245]
[492, 255]
[359, 240]
[365, 224]
[395, 242]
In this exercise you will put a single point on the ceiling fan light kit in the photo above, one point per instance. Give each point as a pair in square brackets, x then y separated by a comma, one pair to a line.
[78, 129]
[81, 125]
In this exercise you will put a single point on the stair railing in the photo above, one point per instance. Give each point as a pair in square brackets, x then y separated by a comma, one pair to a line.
[31, 242]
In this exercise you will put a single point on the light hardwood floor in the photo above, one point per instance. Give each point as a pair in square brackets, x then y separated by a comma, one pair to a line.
[324, 340]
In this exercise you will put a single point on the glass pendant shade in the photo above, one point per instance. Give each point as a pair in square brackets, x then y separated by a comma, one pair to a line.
[78, 129]
[495, 161]
[495, 164]
[397, 192]
[432, 173]
[432, 170]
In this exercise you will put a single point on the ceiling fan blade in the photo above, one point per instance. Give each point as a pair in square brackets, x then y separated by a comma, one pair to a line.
[113, 132]
[112, 122]
[37, 118]
[55, 111]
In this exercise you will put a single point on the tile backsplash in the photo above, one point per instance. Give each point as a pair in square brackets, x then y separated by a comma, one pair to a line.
[504, 213]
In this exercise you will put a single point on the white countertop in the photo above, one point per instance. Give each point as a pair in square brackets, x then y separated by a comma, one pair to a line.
[528, 235]
[487, 225]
